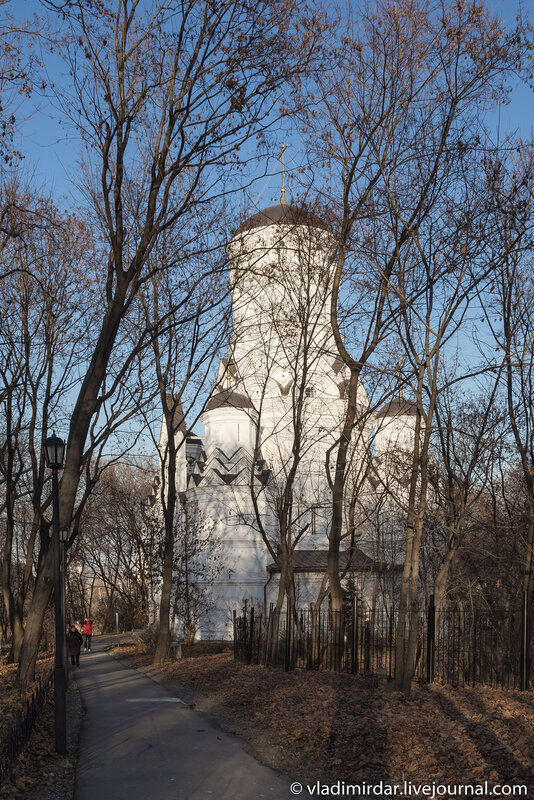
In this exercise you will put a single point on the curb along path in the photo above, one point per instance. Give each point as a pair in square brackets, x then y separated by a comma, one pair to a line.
[140, 742]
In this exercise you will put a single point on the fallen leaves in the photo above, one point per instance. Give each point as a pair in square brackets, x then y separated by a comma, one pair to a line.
[322, 725]
[39, 773]
[12, 701]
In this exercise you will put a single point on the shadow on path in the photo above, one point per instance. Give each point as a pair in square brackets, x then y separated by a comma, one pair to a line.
[139, 742]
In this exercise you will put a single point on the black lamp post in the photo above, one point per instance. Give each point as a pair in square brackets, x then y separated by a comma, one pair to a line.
[54, 454]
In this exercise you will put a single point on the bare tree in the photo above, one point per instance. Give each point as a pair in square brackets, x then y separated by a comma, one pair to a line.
[467, 435]
[509, 312]
[16, 70]
[182, 357]
[164, 99]
[196, 566]
[399, 123]
[116, 554]
[41, 298]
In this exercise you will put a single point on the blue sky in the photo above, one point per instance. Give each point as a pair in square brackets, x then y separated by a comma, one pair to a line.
[52, 150]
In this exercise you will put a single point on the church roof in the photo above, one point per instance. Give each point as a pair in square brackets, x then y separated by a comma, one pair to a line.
[283, 214]
[398, 408]
[228, 398]
[174, 405]
[317, 561]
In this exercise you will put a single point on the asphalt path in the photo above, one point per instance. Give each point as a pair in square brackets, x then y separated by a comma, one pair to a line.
[140, 742]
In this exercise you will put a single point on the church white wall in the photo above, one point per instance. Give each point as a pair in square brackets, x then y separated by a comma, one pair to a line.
[240, 550]
[394, 434]
[228, 428]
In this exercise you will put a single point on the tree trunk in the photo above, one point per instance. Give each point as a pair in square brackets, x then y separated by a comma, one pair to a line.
[338, 494]
[413, 610]
[400, 641]
[409, 600]
[168, 497]
[274, 622]
[162, 647]
[7, 590]
[403, 675]
[34, 623]
[442, 578]
[18, 635]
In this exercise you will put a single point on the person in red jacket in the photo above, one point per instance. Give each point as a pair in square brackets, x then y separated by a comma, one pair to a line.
[87, 631]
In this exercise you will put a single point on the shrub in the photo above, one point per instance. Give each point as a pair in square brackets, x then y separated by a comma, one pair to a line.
[147, 639]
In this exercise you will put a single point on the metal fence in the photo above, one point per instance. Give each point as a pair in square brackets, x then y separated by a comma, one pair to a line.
[491, 647]
[349, 641]
[20, 732]
[454, 646]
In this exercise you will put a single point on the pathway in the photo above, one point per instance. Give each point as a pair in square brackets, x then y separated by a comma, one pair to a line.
[139, 742]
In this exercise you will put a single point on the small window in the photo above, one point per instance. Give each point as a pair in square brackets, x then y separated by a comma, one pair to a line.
[310, 391]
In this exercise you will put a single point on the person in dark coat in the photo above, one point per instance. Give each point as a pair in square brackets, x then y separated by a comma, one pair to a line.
[74, 643]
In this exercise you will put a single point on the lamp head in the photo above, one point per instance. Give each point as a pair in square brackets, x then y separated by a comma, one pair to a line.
[54, 452]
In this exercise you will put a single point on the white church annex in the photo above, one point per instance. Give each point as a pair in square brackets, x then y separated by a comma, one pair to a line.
[271, 418]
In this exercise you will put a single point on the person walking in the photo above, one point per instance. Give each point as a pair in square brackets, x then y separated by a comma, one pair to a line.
[74, 643]
[87, 631]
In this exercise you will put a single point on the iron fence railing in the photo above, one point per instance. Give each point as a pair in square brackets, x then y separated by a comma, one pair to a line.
[453, 646]
[490, 647]
[21, 730]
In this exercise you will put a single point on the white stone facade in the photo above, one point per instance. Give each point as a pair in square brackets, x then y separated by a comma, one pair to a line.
[282, 377]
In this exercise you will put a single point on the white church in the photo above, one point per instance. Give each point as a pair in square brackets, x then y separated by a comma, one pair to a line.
[273, 416]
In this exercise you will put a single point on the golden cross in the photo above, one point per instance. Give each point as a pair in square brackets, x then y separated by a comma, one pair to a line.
[283, 148]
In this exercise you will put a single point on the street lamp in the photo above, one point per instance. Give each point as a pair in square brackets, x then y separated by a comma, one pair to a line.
[54, 454]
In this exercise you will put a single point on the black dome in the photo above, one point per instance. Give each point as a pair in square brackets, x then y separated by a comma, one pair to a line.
[398, 408]
[283, 214]
[228, 398]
